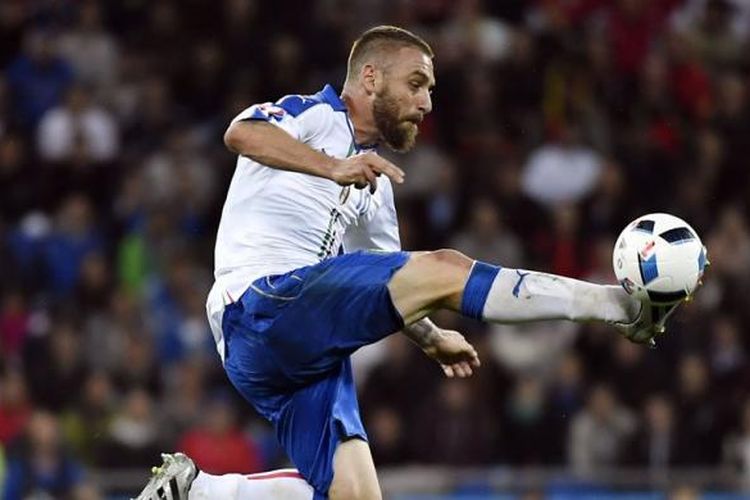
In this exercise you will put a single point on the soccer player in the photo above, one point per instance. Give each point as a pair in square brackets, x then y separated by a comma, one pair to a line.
[309, 269]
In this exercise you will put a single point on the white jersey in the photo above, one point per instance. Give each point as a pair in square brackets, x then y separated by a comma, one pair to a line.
[275, 221]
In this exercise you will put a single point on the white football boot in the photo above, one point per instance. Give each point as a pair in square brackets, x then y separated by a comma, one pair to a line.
[172, 480]
[649, 323]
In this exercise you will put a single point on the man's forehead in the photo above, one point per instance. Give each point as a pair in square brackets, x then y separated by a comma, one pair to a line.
[413, 60]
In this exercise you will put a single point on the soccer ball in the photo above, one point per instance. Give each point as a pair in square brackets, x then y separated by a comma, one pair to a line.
[659, 258]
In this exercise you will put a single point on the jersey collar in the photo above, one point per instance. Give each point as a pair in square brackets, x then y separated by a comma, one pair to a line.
[329, 95]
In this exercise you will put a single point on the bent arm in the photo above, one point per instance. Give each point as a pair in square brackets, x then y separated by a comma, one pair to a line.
[274, 147]
[424, 333]
[271, 146]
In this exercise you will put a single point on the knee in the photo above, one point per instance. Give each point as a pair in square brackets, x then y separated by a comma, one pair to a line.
[351, 488]
[450, 257]
[442, 272]
[431, 280]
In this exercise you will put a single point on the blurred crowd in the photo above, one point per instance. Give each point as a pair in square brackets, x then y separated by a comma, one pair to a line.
[555, 123]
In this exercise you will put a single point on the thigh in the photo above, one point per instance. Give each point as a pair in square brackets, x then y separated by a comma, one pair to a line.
[354, 474]
[315, 420]
[342, 305]
[310, 421]
[292, 329]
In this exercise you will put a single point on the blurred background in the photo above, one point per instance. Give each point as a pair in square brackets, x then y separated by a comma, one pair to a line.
[555, 123]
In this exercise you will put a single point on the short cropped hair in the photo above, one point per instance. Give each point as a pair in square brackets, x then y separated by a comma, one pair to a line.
[380, 38]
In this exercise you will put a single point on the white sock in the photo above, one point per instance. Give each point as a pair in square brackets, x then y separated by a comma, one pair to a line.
[517, 295]
[284, 484]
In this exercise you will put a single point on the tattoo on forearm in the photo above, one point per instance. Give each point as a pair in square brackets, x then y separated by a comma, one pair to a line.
[423, 332]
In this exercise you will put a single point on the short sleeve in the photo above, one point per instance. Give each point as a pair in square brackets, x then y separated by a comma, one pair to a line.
[271, 113]
[304, 124]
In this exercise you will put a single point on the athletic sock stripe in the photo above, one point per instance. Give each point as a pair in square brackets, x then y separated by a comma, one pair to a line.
[174, 489]
[275, 471]
[477, 289]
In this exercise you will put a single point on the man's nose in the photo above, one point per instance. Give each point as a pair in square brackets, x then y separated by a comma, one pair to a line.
[425, 104]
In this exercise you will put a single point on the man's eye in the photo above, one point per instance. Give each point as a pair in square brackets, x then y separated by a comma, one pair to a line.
[414, 85]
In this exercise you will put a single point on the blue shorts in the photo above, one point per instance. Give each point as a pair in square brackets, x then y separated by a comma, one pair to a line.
[288, 341]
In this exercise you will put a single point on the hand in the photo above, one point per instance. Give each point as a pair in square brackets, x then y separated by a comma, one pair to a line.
[363, 170]
[456, 356]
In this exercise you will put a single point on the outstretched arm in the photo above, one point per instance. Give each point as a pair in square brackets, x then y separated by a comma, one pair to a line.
[271, 146]
[456, 356]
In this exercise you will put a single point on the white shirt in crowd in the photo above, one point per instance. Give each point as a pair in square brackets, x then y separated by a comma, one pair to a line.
[61, 130]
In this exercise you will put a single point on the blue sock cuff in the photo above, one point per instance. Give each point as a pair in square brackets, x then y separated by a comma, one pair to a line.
[477, 288]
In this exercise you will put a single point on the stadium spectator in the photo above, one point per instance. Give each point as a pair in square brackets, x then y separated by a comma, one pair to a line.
[635, 373]
[487, 236]
[600, 432]
[393, 380]
[473, 34]
[524, 348]
[37, 78]
[91, 50]
[698, 418]
[40, 465]
[217, 445]
[72, 238]
[737, 445]
[105, 331]
[78, 132]
[133, 438]
[527, 434]
[137, 368]
[186, 397]
[566, 396]
[562, 171]
[54, 365]
[390, 432]
[727, 357]
[463, 414]
[84, 426]
[17, 176]
[15, 407]
[14, 322]
[655, 444]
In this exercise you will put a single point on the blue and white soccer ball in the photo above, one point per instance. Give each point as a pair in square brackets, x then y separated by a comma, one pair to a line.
[659, 258]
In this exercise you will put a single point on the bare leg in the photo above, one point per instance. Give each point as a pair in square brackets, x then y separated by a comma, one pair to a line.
[437, 280]
[354, 476]
[429, 281]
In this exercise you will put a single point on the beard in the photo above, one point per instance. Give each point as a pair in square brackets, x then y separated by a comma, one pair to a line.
[398, 133]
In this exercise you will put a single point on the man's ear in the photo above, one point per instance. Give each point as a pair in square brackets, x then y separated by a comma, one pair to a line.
[370, 77]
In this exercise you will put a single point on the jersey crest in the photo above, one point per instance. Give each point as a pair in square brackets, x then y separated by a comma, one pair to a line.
[272, 110]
